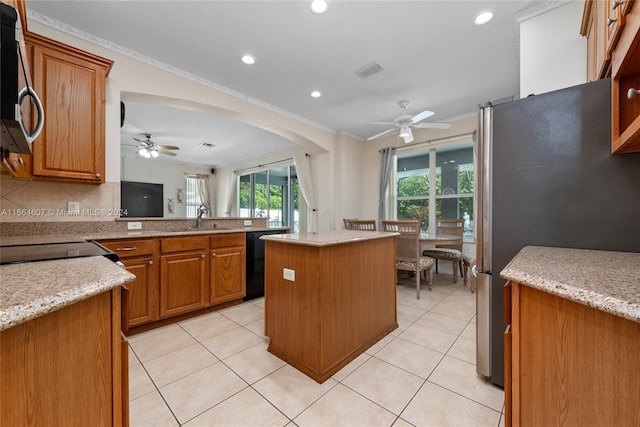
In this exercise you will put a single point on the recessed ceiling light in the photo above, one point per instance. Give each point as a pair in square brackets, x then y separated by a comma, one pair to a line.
[316, 94]
[248, 59]
[318, 6]
[483, 17]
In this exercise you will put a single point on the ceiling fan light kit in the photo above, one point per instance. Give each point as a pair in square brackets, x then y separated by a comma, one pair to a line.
[149, 149]
[405, 122]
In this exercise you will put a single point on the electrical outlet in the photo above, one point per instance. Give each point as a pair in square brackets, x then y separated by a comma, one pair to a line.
[247, 222]
[73, 208]
[289, 275]
[134, 225]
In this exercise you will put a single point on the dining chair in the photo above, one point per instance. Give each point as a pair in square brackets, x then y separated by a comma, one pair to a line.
[468, 261]
[347, 222]
[408, 251]
[363, 224]
[453, 253]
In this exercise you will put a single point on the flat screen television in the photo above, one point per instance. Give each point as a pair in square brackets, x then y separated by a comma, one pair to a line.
[141, 199]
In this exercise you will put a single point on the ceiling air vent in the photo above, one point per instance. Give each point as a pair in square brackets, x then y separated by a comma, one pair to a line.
[369, 69]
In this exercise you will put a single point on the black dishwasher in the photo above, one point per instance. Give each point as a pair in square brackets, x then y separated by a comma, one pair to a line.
[255, 263]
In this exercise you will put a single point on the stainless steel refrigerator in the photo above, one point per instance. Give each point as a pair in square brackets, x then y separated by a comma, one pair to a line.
[547, 178]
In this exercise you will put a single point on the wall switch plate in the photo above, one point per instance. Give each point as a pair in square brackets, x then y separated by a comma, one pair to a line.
[135, 225]
[247, 222]
[289, 274]
[73, 208]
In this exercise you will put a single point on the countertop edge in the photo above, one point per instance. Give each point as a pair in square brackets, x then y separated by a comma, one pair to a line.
[519, 270]
[330, 238]
[21, 313]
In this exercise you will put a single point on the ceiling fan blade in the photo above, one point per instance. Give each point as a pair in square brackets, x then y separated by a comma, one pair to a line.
[422, 116]
[433, 125]
[382, 123]
[163, 151]
[380, 134]
[139, 140]
[168, 147]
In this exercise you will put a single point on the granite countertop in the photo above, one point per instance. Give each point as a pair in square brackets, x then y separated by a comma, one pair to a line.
[607, 281]
[114, 235]
[328, 238]
[30, 290]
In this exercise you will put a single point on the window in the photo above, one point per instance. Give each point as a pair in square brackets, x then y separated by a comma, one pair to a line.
[194, 200]
[272, 193]
[435, 182]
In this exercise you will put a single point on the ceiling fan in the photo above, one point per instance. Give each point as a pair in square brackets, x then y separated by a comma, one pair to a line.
[405, 122]
[148, 148]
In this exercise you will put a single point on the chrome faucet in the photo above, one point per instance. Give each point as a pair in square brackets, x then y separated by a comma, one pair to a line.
[201, 211]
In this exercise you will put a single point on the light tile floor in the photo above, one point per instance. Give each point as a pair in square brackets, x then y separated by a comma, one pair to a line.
[214, 370]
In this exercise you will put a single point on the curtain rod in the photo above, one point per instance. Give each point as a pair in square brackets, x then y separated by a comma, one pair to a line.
[268, 164]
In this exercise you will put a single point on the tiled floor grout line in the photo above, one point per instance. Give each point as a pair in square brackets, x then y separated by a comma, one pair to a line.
[407, 324]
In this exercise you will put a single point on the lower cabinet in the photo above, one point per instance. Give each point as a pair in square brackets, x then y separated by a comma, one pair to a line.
[569, 364]
[227, 267]
[140, 297]
[178, 275]
[183, 275]
[65, 368]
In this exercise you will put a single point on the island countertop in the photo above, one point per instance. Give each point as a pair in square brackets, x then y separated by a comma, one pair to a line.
[605, 280]
[30, 290]
[335, 237]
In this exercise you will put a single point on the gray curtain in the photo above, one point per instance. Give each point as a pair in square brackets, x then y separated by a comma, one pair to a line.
[386, 166]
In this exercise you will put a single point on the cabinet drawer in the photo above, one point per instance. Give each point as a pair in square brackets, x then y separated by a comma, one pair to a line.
[227, 240]
[180, 244]
[131, 248]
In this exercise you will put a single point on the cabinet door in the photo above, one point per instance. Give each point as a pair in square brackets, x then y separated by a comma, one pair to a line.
[72, 90]
[183, 282]
[227, 274]
[140, 305]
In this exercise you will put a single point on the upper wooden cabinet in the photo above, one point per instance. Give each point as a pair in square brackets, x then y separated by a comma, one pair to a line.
[71, 85]
[593, 27]
[625, 72]
[613, 50]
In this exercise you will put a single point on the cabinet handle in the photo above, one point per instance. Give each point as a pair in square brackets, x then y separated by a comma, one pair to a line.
[610, 21]
[213, 254]
[202, 256]
[150, 262]
[97, 175]
[134, 248]
[632, 92]
[615, 4]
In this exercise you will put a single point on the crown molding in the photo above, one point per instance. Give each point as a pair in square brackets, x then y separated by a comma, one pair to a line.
[106, 44]
[538, 9]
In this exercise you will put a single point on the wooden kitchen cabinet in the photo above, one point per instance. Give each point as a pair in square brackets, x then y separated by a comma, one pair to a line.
[140, 302]
[184, 269]
[625, 61]
[71, 86]
[227, 271]
[594, 29]
[65, 368]
[570, 364]
[613, 50]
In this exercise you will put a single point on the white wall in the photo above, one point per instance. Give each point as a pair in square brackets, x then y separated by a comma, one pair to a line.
[553, 54]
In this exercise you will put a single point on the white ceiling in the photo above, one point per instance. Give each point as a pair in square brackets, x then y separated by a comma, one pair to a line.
[431, 53]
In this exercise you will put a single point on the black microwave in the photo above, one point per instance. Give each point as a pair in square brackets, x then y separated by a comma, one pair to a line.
[18, 99]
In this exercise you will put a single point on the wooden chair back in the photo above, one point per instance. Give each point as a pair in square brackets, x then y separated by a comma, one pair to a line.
[363, 224]
[347, 222]
[450, 228]
[408, 242]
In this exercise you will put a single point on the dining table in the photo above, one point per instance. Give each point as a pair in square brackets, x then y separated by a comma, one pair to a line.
[439, 239]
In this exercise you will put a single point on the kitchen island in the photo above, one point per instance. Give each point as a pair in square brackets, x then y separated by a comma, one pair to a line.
[328, 297]
[572, 347]
[63, 359]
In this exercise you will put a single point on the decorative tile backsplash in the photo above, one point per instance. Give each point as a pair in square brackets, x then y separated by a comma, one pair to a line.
[39, 201]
